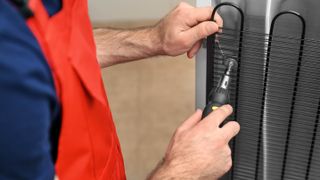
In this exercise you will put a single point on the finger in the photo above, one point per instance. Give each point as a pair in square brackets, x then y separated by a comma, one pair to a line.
[228, 164]
[230, 130]
[191, 121]
[218, 116]
[227, 151]
[193, 51]
[200, 31]
[205, 14]
[184, 5]
[201, 14]
[218, 20]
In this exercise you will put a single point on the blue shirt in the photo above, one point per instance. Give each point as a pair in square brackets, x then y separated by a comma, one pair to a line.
[29, 109]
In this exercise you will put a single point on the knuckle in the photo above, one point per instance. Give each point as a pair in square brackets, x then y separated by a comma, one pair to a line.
[183, 5]
[228, 165]
[228, 151]
[183, 10]
[179, 131]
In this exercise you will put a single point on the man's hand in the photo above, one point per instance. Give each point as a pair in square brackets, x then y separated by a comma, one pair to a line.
[199, 149]
[183, 29]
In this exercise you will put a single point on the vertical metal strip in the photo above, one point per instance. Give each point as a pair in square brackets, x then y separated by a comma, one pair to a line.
[297, 77]
[265, 80]
[315, 130]
[210, 62]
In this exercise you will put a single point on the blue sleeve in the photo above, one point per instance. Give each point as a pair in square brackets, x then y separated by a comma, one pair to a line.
[27, 102]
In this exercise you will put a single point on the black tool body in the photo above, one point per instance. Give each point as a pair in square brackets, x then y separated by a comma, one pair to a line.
[220, 96]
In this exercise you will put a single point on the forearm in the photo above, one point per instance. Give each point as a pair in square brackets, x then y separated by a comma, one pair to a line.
[181, 31]
[166, 171]
[163, 172]
[116, 46]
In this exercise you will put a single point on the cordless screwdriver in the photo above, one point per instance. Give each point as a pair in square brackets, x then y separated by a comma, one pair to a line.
[220, 95]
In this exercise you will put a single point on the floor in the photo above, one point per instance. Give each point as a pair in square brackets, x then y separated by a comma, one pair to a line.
[149, 99]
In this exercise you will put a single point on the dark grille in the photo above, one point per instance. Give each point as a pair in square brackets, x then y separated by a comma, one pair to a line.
[276, 95]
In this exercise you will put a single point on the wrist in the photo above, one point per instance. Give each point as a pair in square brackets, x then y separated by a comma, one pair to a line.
[168, 169]
[155, 36]
[162, 172]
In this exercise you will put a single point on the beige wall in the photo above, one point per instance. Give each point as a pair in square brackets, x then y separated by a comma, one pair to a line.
[148, 98]
[102, 11]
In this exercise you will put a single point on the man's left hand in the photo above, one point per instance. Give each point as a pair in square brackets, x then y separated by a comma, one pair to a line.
[184, 28]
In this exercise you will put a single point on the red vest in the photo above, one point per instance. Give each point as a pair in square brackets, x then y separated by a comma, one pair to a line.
[88, 144]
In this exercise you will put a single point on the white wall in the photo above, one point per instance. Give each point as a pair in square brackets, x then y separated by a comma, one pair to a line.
[102, 11]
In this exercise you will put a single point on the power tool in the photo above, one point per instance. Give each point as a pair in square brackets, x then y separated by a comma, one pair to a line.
[220, 96]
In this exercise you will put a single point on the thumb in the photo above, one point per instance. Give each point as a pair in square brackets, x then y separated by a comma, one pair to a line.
[201, 31]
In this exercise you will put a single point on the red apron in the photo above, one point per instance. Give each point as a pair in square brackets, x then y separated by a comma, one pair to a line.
[88, 144]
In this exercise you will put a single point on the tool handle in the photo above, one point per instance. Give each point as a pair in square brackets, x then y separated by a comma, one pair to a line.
[210, 108]
[219, 98]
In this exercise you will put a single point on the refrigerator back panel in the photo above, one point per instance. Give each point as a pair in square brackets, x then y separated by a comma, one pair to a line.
[276, 88]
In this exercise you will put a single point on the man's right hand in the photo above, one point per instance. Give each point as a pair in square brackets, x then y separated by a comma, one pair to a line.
[200, 149]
